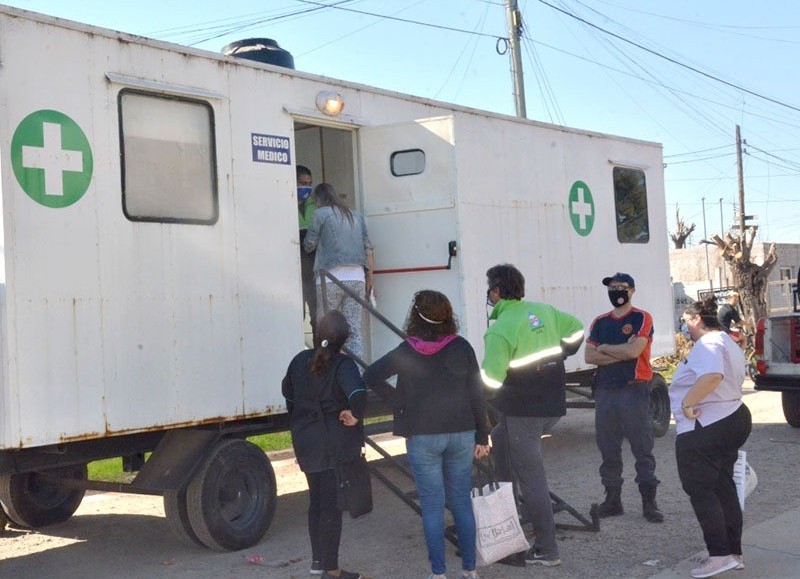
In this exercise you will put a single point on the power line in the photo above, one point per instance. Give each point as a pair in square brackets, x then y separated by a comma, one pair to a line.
[480, 25]
[405, 20]
[794, 163]
[672, 60]
[356, 31]
[698, 151]
[245, 24]
[696, 23]
[701, 159]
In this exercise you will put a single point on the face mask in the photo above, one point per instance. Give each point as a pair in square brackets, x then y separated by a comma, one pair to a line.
[489, 308]
[619, 297]
[685, 331]
[304, 193]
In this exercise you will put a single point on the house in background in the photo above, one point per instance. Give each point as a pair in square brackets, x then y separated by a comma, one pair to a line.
[700, 269]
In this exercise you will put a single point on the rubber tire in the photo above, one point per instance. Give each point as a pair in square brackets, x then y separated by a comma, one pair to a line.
[660, 412]
[231, 499]
[791, 407]
[177, 514]
[3, 520]
[32, 501]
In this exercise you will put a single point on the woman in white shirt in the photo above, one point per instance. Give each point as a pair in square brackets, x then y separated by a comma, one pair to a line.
[712, 424]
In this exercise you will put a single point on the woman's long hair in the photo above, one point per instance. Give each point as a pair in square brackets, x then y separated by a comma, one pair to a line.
[326, 196]
[707, 310]
[430, 317]
[332, 332]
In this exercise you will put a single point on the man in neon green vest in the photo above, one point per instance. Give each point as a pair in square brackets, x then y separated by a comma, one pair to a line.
[305, 210]
[523, 370]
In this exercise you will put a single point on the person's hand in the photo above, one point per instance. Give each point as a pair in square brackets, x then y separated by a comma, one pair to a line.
[346, 417]
[481, 451]
[692, 412]
[370, 287]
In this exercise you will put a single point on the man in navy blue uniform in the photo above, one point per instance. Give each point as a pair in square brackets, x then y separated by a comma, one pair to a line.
[619, 345]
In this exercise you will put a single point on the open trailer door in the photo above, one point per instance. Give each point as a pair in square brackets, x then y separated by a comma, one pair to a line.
[408, 181]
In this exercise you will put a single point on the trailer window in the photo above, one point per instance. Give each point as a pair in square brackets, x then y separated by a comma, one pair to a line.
[168, 159]
[411, 162]
[630, 199]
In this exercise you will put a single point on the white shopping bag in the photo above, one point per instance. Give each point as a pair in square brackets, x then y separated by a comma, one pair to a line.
[745, 477]
[499, 533]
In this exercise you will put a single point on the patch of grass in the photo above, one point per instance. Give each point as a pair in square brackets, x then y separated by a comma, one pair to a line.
[110, 469]
[272, 441]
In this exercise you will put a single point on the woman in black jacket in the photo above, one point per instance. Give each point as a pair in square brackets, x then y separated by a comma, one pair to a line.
[326, 399]
[439, 408]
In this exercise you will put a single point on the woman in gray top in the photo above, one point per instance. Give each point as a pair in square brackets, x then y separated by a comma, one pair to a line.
[340, 238]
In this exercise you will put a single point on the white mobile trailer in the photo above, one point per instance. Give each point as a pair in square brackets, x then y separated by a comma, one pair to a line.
[152, 280]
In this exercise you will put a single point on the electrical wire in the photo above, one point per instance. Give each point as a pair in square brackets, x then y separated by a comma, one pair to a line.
[672, 60]
[396, 19]
[700, 159]
[356, 31]
[549, 99]
[698, 151]
[478, 27]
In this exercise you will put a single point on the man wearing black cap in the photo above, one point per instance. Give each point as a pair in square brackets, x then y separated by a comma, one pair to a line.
[619, 345]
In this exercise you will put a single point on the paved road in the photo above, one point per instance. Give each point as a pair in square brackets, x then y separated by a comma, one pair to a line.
[126, 536]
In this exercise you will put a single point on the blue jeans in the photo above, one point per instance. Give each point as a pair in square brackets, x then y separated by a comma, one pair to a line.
[442, 467]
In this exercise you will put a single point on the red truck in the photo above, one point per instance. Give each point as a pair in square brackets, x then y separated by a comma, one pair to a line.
[777, 349]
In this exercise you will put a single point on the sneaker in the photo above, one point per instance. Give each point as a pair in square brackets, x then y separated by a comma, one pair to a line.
[534, 558]
[469, 574]
[342, 575]
[316, 568]
[739, 562]
[715, 566]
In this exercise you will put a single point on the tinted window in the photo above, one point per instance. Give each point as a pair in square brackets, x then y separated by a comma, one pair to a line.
[630, 200]
[411, 162]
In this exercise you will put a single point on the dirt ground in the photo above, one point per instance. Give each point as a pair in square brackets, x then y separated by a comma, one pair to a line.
[115, 536]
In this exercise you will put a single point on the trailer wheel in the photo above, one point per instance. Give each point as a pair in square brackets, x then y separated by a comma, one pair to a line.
[36, 499]
[791, 407]
[231, 499]
[177, 514]
[659, 405]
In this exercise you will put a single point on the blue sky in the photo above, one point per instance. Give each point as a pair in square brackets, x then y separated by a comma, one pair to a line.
[579, 71]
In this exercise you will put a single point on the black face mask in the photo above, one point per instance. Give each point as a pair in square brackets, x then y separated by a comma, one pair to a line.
[619, 297]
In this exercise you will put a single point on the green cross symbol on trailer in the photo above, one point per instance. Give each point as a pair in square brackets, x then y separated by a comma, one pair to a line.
[581, 208]
[51, 158]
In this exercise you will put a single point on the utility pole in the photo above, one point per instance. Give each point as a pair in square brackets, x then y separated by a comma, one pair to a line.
[705, 237]
[741, 188]
[724, 277]
[751, 280]
[514, 17]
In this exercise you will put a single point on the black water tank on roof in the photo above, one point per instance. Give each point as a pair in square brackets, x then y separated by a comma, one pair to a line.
[263, 50]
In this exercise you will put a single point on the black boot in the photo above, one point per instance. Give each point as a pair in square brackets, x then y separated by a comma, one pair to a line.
[649, 505]
[612, 506]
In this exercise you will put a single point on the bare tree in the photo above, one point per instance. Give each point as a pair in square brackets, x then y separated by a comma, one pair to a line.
[682, 232]
[749, 279]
